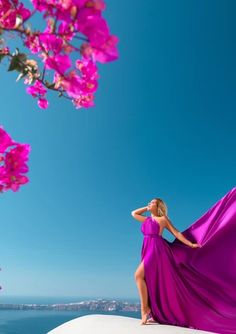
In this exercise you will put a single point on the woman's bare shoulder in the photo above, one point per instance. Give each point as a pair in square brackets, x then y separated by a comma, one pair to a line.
[164, 219]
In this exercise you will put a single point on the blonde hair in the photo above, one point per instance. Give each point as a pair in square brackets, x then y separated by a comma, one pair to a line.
[161, 207]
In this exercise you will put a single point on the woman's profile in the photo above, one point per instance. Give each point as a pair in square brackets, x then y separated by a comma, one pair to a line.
[189, 282]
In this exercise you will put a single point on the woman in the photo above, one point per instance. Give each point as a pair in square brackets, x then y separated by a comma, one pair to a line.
[190, 282]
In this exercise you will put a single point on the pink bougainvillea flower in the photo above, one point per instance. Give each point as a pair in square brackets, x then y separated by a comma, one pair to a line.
[102, 46]
[51, 42]
[12, 163]
[86, 50]
[66, 29]
[5, 141]
[4, 51]
[89, 75]
[96, 4]
[88, 68]
[14, 182]
[103, 53]
[37, 89]
[10, 12]
[107, 51]
[8, 18]
[42, 5]
[59, 63]
[23, 12]
[71, 84]
[92, 25]
[32, 42]
[42, 103]
[16, 157]
[84, 101]
[88, 86]
[81, 83]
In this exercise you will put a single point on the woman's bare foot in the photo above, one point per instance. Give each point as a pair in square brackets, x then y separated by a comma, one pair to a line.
[151, 321]
[145, 314]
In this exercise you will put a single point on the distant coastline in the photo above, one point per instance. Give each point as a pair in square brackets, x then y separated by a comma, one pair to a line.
[84, 305]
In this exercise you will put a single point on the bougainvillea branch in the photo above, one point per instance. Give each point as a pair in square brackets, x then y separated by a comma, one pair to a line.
[63, 56]
[13, 158]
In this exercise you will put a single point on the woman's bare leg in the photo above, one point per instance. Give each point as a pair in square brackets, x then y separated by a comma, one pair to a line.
[143, 293]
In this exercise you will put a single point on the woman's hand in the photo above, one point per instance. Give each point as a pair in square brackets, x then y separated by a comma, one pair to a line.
[196, 245]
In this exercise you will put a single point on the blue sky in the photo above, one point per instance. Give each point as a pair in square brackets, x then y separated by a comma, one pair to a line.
[163, 126]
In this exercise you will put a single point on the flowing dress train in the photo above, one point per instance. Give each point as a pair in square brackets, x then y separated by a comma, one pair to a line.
[194, 287]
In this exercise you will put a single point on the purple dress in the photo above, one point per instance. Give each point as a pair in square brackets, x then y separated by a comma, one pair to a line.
[194, 287]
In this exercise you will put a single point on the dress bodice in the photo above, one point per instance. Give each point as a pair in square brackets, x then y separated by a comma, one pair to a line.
[150, 227]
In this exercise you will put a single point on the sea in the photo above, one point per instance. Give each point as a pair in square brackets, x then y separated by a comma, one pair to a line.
[42, 321]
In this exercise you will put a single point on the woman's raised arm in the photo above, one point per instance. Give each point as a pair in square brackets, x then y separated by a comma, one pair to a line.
[137, 214]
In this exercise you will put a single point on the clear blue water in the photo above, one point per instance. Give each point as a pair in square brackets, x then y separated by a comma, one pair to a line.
[41, 322]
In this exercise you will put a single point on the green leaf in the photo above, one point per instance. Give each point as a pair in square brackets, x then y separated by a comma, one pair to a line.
[13, 64]
[18, 62]
[22, 57]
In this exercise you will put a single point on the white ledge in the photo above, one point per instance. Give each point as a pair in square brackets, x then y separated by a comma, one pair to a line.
[114, 324]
